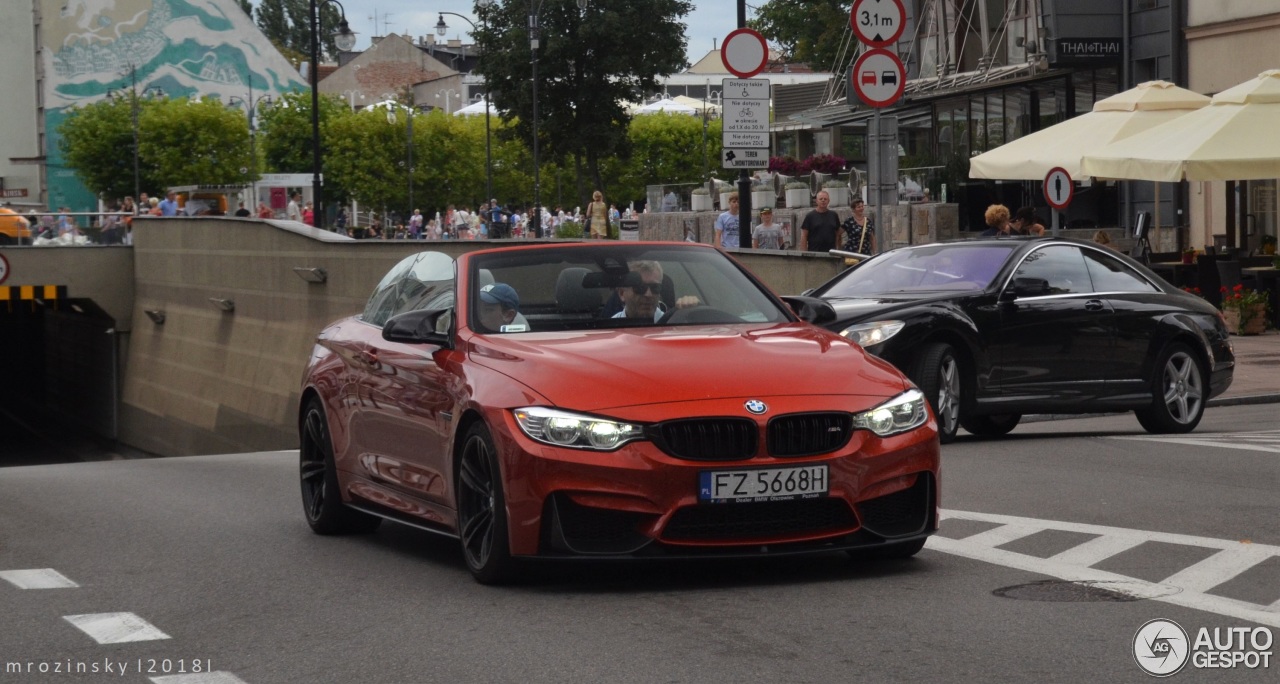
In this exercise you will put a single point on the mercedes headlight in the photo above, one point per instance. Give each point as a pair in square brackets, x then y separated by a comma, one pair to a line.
[901, 413]
[565, 429]
[875, 332]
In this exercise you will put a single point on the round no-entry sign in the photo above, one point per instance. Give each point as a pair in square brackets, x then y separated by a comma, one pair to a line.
[878, 78]
[744, 52]
[1058, 188]
[878, 23]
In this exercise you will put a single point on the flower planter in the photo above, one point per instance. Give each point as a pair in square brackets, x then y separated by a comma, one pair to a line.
[763, 198]
[1188, 257]
[798, 198]
[839, 196]
[1254, 326]
[700, 202]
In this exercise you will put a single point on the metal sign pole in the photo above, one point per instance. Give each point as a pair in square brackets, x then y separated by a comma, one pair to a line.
[873, 188]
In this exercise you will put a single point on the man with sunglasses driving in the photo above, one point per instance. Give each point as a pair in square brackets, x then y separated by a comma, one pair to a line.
[642, 293]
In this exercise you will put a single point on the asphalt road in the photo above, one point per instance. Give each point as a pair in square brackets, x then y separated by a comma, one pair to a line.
[213, 554]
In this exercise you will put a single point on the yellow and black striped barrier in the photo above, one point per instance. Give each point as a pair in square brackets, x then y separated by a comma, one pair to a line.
[31, 293]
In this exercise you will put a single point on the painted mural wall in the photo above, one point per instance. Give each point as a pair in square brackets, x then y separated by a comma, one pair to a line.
[185, 48]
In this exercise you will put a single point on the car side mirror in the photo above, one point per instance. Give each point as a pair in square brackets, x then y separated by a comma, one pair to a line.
[1025, 287]
[427, 326]
[811, 309]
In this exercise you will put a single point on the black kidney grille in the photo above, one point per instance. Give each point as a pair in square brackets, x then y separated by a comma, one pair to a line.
[707, 439]
[806, 434]
[771, 520]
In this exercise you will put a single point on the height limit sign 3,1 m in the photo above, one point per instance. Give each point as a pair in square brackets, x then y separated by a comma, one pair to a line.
[878, 23]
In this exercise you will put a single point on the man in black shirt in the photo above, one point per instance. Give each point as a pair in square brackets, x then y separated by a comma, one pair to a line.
[242, 212]
[820, 230]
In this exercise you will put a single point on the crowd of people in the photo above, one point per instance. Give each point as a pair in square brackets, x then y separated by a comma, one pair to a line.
[491, 220]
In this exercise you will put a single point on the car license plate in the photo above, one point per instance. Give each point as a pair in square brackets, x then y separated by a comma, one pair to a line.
[770, 484]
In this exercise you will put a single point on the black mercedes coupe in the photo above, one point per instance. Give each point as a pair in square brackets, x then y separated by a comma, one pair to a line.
[992, 329]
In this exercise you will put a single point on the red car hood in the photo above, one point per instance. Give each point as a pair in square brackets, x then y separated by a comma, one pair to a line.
[603, 369]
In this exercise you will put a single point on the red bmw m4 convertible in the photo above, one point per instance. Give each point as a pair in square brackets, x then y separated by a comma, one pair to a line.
[609, 400]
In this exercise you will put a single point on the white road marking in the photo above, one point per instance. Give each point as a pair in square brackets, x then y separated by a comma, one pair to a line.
[199, 678]
[1185, 588]
[1209, 572]
[1261, 440]
[115, 628]
[1096, 550]
[1004, 534]
[43, 578]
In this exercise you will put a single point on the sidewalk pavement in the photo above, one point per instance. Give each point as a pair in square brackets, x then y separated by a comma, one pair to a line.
[1257, 376]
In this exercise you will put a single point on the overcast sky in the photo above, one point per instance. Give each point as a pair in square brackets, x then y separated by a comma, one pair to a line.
[710, 20]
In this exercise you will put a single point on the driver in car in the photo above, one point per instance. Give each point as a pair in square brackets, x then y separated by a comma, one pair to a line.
[642, 295]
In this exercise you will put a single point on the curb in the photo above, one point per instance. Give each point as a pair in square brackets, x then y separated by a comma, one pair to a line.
[1243, 400]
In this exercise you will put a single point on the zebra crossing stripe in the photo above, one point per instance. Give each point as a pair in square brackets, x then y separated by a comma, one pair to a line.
[43, 578]
[1265, 440]
[1210, 572]
[216, 677]
[1184, 588]
[1097, 550]
[115, 628]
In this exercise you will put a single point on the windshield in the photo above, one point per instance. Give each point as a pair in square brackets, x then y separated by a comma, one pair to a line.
[592, 287]
[940, 267]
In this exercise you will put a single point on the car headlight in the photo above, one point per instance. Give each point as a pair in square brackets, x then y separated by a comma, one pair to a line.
[565, 429]
[901, 413]
[875, 332]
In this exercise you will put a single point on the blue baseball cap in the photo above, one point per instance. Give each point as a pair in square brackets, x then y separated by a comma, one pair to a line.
[500, 293]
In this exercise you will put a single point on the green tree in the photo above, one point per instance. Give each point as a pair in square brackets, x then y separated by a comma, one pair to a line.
[195, 141]
[815, 32]
[585, 71]
[287, 24]
[247, 6]
[666, 149]
[97, 142]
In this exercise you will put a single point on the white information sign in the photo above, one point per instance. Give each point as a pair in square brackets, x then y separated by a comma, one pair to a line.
[745, 116]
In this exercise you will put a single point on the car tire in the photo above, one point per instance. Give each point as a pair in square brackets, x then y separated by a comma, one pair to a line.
[936, 371]
[991, 426]
[321, 496]
[1179, 389]
[482, 510]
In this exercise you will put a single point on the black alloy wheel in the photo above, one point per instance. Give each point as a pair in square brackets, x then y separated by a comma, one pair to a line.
[936, 371]
[991, 426]
[321, 500]
[1179, 390]
[482, 510]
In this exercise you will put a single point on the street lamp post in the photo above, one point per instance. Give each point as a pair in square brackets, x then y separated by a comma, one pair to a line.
[441, 29]
[448, 95]
[251, 110]
[344, 39]
[133, 116]
[351, 97]
[535, 6]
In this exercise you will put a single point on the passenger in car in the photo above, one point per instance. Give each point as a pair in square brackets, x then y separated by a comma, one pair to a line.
[499, 309]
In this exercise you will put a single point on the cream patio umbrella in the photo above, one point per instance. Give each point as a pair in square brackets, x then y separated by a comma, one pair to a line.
[1234, 138]
[1118, 117]
[477, 108]
[666, 105]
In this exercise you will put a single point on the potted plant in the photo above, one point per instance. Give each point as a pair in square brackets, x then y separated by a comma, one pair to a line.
[838, 190]
[1244, 310]
[1189, 255]
[700, 199]
[797, 193]
[762, 195]
[1268, 244]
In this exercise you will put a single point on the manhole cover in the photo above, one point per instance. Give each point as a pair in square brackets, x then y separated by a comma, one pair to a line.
[1086, 591]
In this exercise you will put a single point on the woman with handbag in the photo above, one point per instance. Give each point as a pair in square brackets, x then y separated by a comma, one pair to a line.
[859, 230]
[598, 217]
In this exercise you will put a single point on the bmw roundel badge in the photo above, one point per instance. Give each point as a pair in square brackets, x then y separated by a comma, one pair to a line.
[756, 406]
